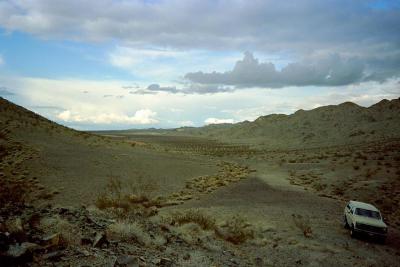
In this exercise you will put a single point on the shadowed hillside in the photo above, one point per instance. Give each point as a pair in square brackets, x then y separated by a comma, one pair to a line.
[346, 123]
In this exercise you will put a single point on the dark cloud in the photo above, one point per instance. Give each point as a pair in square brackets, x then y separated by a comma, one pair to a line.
[331, 70]
[158, 88]
[304, 26]
[4, 91]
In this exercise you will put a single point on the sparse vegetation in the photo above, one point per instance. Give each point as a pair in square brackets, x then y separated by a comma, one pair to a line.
[128, 231]
[204, 220]
[135, 197]
[303, 224]
[235, 230]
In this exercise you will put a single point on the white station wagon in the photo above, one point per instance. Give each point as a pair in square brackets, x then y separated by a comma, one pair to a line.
[364, 218]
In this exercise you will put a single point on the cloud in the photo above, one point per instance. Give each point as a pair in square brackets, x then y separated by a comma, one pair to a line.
[192, 88]
[1, 60]
[218, 121]
[158, 88]
[331, 70]
[142, 92]
[186, 123]
[4, 91]
[304, 25]
[141, 117]
[53, 108]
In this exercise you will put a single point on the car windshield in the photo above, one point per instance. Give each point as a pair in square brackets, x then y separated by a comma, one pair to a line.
[368, 213]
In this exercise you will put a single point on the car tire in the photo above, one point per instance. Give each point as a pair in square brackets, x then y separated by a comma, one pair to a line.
[345, 224]
[381, 240]
[352, 232]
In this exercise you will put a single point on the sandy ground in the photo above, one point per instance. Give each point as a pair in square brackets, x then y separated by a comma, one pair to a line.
[74, 169]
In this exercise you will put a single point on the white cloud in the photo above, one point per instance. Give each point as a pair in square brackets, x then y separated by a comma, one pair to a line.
[218, 121]
[160, 65]
[141, 117]
[92, 111]
[186, 123]
[1, 60]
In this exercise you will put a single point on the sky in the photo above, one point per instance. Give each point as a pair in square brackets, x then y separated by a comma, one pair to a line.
[121, 64]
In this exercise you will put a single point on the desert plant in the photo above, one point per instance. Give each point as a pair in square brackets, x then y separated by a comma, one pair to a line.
[69, 234]
[236, 230]
[302, 223]
[199, 217]
[13, 193]
[128, 231]
[133, 197]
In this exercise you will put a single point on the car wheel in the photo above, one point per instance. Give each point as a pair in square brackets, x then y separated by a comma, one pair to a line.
[352, 232]
[345, 224]
[382, 240]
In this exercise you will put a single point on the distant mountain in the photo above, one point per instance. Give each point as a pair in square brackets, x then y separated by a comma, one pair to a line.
[346, 123]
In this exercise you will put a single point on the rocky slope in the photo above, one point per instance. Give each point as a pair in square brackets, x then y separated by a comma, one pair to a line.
[342, 124]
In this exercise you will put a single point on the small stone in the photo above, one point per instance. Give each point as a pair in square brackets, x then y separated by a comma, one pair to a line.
[19, 254]
[127, 261]
[85, 252]
[99, 239]
[166, 262]
[52, 240]
[53, 256]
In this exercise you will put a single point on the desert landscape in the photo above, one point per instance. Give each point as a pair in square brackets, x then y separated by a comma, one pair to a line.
[264, 193]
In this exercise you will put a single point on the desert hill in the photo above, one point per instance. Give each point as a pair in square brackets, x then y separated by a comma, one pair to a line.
[342, 124]
[75, 166]
[176, 198]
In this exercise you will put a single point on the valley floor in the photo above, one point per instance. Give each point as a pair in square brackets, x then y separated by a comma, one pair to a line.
[195, 202]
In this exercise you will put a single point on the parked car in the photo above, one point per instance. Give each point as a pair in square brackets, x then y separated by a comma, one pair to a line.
[364, 218]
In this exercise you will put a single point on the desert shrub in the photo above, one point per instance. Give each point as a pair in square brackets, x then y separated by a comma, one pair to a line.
[13, 193]
[236, 230]
[192, 234]
[128, 231]
[303, 224]
[199, 217]
[125, 198]
[69, 234]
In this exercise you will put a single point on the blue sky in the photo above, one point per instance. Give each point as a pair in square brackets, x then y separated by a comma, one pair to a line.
[139, 64]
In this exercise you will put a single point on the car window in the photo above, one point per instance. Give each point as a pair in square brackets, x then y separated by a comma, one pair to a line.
[368, 213]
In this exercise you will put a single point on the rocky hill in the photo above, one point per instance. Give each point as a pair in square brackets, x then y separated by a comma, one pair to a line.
[342, 124]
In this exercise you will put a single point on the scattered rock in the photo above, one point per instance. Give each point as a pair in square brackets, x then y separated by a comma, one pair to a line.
[127, 261]
[53, 256]
[18, 254]
[4, 242]
[51, 241]
[166, 262]
[99, 239]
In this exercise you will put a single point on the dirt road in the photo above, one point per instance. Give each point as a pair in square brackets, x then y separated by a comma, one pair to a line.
[268, 201]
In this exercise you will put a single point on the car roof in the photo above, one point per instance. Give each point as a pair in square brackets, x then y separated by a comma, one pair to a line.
[362, 205]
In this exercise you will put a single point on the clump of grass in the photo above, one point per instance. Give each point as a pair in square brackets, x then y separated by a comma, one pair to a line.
[128, 231]
[69, 234]
[13, 193]
[126, 198]
[199, 217]
[236, 230]
[303, 224]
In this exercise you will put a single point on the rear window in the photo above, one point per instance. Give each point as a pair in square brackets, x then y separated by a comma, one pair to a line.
[368, 213]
